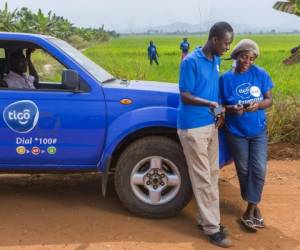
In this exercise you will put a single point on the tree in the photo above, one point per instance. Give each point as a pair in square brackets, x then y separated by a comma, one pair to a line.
[291, 7]
[24, 20]
[7, 19]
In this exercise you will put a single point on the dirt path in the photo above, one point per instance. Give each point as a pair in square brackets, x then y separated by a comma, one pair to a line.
[67, 212]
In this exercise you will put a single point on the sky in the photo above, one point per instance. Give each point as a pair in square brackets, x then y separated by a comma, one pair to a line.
[129, 15]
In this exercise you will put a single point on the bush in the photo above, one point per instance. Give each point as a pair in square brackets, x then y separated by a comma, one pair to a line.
[283, 119]
[78, 42]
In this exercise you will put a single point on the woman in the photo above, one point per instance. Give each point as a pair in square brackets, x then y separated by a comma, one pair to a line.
[246, 93]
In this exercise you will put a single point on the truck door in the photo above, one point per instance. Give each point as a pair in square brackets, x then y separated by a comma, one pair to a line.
[49, 127]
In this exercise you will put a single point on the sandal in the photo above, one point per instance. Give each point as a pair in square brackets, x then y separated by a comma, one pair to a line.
[248, 224]
[259, 222]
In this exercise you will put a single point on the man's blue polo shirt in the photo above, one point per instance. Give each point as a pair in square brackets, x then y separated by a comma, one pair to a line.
[200, 77]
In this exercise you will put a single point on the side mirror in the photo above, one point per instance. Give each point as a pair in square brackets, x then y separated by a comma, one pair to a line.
[70, 79]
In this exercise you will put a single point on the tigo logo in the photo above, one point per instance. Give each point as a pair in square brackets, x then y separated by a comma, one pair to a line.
[243, 90]
[21, 116]
[255, 91]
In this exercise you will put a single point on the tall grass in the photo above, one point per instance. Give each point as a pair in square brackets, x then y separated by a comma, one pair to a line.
[126, 58]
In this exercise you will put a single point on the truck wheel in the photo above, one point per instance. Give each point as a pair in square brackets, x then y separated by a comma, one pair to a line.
[151, 178]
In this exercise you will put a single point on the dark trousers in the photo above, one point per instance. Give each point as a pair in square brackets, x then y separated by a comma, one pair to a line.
[250, 158]
[153, 59]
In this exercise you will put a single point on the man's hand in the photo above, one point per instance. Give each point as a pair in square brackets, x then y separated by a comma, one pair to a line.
[28, 54]
[220, 121]
[213, 105]
[31, 68]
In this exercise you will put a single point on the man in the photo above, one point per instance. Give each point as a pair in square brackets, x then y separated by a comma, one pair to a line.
[17, 77]
[152, 53]
[184, 46]
[198, 133]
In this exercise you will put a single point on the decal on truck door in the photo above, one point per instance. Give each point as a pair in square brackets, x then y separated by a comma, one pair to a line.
[21, 116]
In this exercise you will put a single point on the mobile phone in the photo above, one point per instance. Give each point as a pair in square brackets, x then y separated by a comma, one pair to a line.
[217, 111]
[246, 105]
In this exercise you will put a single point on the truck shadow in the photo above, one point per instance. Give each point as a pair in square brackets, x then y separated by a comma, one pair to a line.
[69, 209]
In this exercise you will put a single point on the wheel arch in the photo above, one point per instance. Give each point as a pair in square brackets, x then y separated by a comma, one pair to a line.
[111, 160]
[139, 134]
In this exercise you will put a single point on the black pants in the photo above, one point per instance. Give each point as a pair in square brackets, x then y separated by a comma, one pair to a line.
[153, 59]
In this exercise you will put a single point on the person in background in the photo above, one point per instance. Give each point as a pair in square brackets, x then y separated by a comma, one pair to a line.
[184, 46]
[152, 53]
[17, 76]
[198, 129]
[246, 91]
[294, 50]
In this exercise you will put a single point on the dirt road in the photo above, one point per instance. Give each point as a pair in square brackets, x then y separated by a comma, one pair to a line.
[68, 212]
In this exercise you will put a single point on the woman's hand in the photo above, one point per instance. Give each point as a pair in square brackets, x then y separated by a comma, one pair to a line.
[252, 107]
[235, 109]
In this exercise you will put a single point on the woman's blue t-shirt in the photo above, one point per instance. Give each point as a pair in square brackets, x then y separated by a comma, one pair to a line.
[242, 88]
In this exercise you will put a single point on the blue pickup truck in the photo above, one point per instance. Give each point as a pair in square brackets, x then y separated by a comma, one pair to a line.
[80, 118]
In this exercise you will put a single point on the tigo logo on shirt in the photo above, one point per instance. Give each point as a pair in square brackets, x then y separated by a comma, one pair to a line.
[243, 90]
[255, 91]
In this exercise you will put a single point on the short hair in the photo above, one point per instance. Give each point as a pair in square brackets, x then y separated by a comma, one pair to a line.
[16, 56]
[219, 29]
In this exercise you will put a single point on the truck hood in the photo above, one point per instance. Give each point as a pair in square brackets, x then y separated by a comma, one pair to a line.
[143, 93]
[154, 86]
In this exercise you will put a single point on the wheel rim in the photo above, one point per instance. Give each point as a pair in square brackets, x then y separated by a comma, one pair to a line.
[155, 180]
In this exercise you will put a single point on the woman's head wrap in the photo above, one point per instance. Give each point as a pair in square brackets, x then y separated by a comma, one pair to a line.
[244, 45]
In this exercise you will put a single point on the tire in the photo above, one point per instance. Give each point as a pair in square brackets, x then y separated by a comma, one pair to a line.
[151, 178]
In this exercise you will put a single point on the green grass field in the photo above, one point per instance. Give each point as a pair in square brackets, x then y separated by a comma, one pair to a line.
[126, 58]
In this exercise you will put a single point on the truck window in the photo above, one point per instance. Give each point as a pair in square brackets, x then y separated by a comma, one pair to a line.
[45, 72]
[94, 69]
[2, 53]
[48, 68]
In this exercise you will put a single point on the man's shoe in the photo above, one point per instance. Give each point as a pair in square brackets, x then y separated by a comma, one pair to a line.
[220, 239]
[223, 229]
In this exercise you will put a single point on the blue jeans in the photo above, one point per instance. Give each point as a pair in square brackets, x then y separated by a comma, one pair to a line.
[250, 158]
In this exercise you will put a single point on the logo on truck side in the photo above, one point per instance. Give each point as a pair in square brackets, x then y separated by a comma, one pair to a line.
[21, 116]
